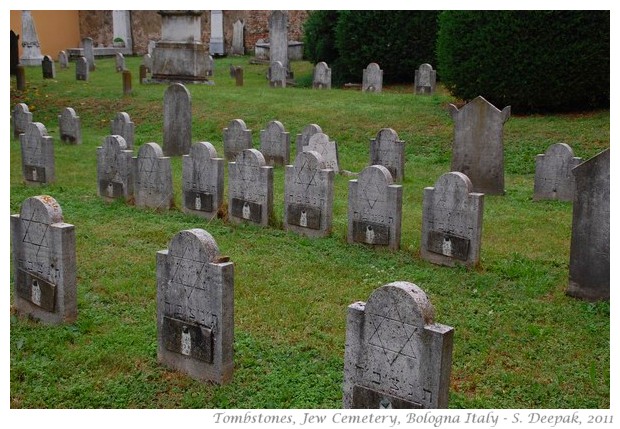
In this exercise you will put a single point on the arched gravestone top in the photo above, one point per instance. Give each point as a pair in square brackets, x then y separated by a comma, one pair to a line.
[237, 127]
[274, 128]
[21, 118]
[68, 114]
[309, 162]
[114, 144]
[150, 150]
[250, 157]
[41, 209]
[399, 301]
[195, 242]
[560, 150]
[456, 187]
[176, 90]
[304, 137]
[34, 132]
[377, 175]
[321, 143]
[122, 117]
[202, 151]
[387, 135]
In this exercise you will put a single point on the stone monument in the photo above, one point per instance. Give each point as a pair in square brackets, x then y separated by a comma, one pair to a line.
[152, 178]
[250, 188]
[115, 169]
[121, 125]
[237, 138]
[216, 43]
[328, 149]
[238, 47]
[275, 144]
[322, 78]
[425, 79]
[37, 155]
[554, 179]
[301, 141]
[203, 181]
[31, 49]
[21, 118]
[387, 150]
[177, 120]
[70, 126]
[372, 78]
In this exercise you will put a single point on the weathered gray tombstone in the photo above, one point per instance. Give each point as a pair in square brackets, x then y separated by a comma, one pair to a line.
[452, 222]
[152, 178]
[44, 262]
[37, 155]
[250, 188]
[48, 68]
[375, 208]
[63, 60]
[216, 42]
[89, 52]
[177, 120]
[589, 270]
[554, 179]
[425, 79]
[237, 138]
[147, 62]
[20, 77]
[81, 69]
[309, 195]
[238, 47]
[395, 355]
[210, 67]
[21, 118]
[322, 78]
[277, 75]
[31, 48]
[70, 126]
[387, 150]
[372, 78]
[478, 146]
[127, 89]
[302, 139]
[115, 169]
[203, 180]
[275, 144]
[278, 38]
[195, 307]
[123, 126]
[120, 62]
[328, 149]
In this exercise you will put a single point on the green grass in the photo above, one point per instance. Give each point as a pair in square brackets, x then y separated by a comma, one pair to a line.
[519, 341]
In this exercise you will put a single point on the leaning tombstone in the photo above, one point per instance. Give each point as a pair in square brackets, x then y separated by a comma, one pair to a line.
[123, 126]
[589, 269]
[120, 62]
[70, 126]
[328, 149]
[275, 144]
[203, 180]
[478, 146]
[277, 75]
[63, 60]
[48, 68]
[43, 249]
[115, 169]
[237, 138]
[152, 178]
[452, 222]
[250, 188]
[372, 78]
[127, 82]
[387, 150]
[195, 307]
[375, 208]
[302, 139]
[177, 120]
[81, 69]
[309, 195]
[322, 78]
[89, 52]
[21, 118]
[425, 79]
[37, 155]
[554, 179]
[395, 355]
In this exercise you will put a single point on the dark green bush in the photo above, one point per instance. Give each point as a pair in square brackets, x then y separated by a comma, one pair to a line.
[319, 36]
[534, 61]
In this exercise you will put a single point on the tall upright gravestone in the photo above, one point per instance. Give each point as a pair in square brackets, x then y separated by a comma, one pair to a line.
[237, 137]
[275, 144]
[322, 77]
[37, 146]
[48, 68]
[177, 120]
[238, 47]
[31, 48]
[63, 60]
[152, 178]
[250, 188]
[81, 69]
[89, 52]
[589, 270]
[328, 149]
[203, 180]
[44, 262]
[278, 38]
[372, 78]
[115, 169]
[123, 126]
[195, 307]
[388, 150]
[303, 138]
[554, 179]
[395, 355]
[277, 75]
[70, 126]
[21, 118]
[216, 43]
[425, 79]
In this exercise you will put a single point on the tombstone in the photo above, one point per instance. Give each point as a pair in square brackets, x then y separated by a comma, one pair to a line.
[150, 47]
[395, 355]
[250, 188]
[177, 120]
[127, 90]
[277, 75]
[425, 79]
[48, 68]
[63, 60]
[238, 76]
[115, 169]
[375, 208]
[44, 262]
[322, 76]
[120, 62]
[70, 127]
[195, 307]
[121, 125]
[142, 73]
[21, 118]
[372, 78]
[452, 222]
[81, 69]
[20, 78]
[210, 66]
[238, 47]
[31, 49]
[278, 38]
[589, 270]
[387, 150]
[89, 52]
[147, 62]
[37, 155]
[121, 28]
[152, 178]
[328, 149]
[275, 144]
[216, 43]
[554, 179]
[309, 195]
[237, 138]
[302, 139]
[203, 181]
[478, 146]
[14, 52]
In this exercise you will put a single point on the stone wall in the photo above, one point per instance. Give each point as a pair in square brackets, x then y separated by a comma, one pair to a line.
[96, 24]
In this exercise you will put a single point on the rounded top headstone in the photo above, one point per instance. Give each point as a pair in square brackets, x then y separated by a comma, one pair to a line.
[237, 124]
[250, 157]
[311, 160]
[203, 151]
[560, 150]
[150, 150]
[376, 173]
[196, 244]
[274, 126]
[35, 130]
[402, 301]
[455, 180]
[114, 143]
[41, 208]
[387, 135]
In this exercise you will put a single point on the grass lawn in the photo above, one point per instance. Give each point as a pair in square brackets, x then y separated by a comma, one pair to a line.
[519, 341]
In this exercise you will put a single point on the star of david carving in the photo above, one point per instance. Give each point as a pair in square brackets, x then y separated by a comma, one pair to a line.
[304, 173]
[372, 193]
[32, 230]
[185, 270]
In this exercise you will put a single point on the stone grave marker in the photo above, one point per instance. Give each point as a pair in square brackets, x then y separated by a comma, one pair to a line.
[216, 42]
[278, 38]
[37, 155]
[150, 47]
[309, 195]
[120, 62]
[152, 178]
[375, 208]
[70, 127]
[328, 149]
[554, 179]
[452, 222]
[31, 48]
[20, 77]
[142, 73]
[123, 126]
[21, 118]
[177, 120]
[387, 150]
[238, 76]
[210, 67]
[81, 69]
[275, 144]
[147, 61]
[302, 139]
[115, 169]
[238, 47]
[89, 52]
[237, 138]
[589, 269]
[195, 307]
[425, 79]
[250, 188]
[372, 78]
[203, 180]
[478, 146]
[322, 78]
[396, 356]
[127, 82]
[48, 68]
[63, 60]
[44, 262]
[277, 75]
